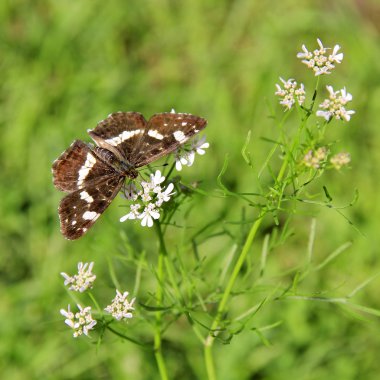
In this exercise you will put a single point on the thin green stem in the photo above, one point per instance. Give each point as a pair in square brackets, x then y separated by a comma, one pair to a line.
[209, 341]
[160, 296]
[223, 302]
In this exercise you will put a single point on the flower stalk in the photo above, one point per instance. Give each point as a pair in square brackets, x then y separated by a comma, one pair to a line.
[162, 253]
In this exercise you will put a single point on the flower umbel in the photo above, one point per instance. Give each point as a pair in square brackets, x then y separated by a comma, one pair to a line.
[149, 199]
[120, 307]
[290, 93]
[83, 280]
[334, 106]
[319, 60]
[340, 159]
[314, 159]
[81, 322]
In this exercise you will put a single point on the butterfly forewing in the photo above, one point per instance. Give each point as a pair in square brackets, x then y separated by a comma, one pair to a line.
[79, 210]
[165, 132]
[119, 133]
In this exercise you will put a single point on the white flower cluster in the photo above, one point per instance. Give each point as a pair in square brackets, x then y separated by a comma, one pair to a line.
[81, 322]
[185, 154]
[319, 60]
[120, 307]
[335, 105]
[81, 281]
[340, 159]
[321, 63]
[290, 93]
[314, 159]
[150, 198]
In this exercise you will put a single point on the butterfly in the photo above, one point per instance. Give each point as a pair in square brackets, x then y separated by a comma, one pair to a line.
[93, 175]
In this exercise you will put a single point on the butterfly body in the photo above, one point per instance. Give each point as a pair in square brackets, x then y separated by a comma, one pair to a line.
[125, 141]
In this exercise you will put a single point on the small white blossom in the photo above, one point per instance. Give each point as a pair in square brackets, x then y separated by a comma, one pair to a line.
[199, 144]
[145, 196]
[83, 280]
[185, 154]
[81, 322]
[314, 159]
[150, 212]
[318, 60]
[120, 307]
[156, 178]
[340, 159]
[134, 214]
[164, 196]
[182, 158]
[290, 93]
[334, 106]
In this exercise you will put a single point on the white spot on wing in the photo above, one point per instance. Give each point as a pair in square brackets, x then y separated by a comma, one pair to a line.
[85, 169]
[179, 136]
[155, 134]
[184, 123]
[125, 135]
[90, 215]
[74, 222]
[86, 196]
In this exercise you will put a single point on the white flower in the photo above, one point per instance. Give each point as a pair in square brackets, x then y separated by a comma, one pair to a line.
[334, 106]
[199, 145]
[334, 57]
[164, 196]
[150, 212]
[290, 93]
[318, 60]
[181, 159]
[145, 196]
[120, 308]
[156, 178]
[340, 159]
[185, 154]
[152, 186]
[83, 280]
[81, 322]
[134, 214]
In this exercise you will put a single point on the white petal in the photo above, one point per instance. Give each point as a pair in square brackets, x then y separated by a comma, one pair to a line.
[325, 114]
[178, 165]
[320, 43]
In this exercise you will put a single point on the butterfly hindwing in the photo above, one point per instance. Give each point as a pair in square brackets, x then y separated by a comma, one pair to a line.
[79, 210]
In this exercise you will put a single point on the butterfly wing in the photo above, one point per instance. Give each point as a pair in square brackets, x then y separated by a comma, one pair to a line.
[91, 183]
[119, 133]
[79, 210]
[164, 133]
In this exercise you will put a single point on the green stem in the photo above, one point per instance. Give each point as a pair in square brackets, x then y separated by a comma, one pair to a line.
[209, 341]
[222, 305]
[160, 276]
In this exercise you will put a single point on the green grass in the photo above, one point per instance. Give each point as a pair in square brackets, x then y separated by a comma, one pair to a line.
[66, 65]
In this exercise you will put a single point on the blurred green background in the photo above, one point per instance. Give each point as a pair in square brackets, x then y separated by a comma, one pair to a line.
[65, 65]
